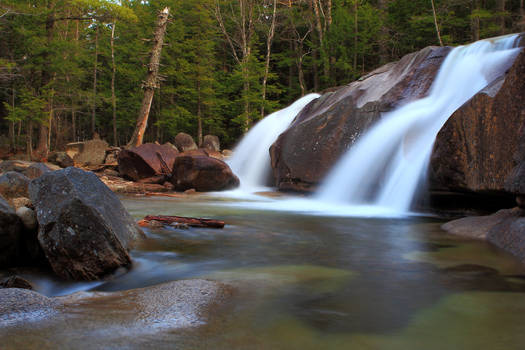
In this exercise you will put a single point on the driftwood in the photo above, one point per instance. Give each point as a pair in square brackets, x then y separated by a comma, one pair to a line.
[169, 220]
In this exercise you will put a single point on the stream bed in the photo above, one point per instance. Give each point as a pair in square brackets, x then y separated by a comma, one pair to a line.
[307, 282]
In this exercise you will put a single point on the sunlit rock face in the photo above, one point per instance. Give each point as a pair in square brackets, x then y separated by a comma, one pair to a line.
[328, 126]
[481, 148]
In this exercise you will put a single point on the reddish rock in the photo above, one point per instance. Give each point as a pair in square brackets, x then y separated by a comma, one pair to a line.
[202, 173]
[146, 161]
[329, 125]
[481, 148]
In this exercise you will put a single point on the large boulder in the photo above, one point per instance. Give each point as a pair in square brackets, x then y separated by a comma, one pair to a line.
[211, 143]
[146, 161]
[92, 152]
[184, 142]
[10, 235]
[84, 230]
[13, 185]
[481, 148]
[202, 173]
[329, 125]
[14, 165]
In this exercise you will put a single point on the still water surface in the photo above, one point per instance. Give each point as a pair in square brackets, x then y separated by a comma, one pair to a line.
[314, 282]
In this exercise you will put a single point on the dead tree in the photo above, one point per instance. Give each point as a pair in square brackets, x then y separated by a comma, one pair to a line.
[151, 82]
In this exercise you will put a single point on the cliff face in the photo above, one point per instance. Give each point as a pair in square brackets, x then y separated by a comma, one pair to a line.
[481, 148]
[328, 126]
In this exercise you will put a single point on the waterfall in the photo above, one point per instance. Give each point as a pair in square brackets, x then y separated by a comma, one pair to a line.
[385, 166]
[251, 158]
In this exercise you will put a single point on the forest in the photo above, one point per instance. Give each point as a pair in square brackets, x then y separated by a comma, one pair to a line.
[72, 69]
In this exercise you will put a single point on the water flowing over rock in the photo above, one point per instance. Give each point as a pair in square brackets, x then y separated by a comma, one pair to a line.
[386, 165]
[328, 126]
[84, 230]
[251, 160]
[202, 173]
[146, 161]
[481, 148]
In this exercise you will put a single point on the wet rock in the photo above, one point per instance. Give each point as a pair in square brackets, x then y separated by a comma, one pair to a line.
[212, 143]
[84, 230]
[10, 235]
[62, 159]
[505, 229]
[481, 148]
[329, 125]
[184, 142]
[227, 153]
[19, 305]
[28, 217]
[203, 174]
[92, 152]
[13, 185]
[36, 170]
[15, 282]
[146, 161]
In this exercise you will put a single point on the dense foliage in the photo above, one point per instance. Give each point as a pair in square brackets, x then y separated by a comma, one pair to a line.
[69, 65]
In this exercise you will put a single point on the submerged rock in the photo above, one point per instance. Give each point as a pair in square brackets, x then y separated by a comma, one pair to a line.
[84, 230]
[505, 229]
[203, 174]
[146, 161]
[329, 125]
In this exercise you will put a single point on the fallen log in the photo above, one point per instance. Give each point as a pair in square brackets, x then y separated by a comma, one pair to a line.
[193, 222]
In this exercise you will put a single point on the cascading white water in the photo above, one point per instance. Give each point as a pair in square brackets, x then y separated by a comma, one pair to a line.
[251, 158]
[384, 167]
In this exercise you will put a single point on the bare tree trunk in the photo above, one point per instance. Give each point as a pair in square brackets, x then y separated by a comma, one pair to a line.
[356, 32]
[151, 82]
[199, 113]
[501, 16]
[269, 40]
[436, 23]
[12, 124]
[42, 148]
[474, 22]
[383, 41]
[94, 102]
[113, 97]
[320, 33]
[521, 24]
[30, 139]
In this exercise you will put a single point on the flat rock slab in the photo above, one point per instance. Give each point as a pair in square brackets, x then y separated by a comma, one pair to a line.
[127, 319]
[505, 229]
[23, 305]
